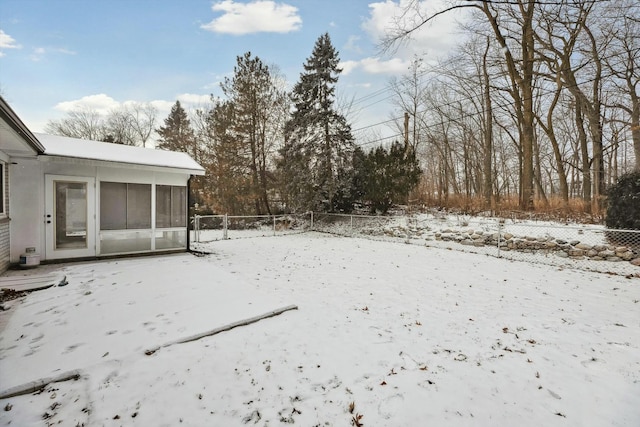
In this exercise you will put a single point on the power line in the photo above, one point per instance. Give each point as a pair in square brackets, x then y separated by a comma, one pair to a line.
[470, 98]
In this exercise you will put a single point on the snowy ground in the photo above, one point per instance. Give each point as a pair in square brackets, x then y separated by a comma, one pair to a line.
[391, 334]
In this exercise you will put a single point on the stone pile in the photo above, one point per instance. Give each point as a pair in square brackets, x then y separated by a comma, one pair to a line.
[573, 249]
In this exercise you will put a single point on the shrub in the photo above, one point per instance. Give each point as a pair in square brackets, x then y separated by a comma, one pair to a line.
[623, 209]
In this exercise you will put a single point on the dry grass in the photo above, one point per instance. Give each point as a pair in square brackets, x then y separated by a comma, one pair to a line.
[508, 207]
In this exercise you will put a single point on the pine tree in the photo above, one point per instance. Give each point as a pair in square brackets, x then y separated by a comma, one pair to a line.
[384, 177]
[316, 160]
[177, 133]
[255, 98]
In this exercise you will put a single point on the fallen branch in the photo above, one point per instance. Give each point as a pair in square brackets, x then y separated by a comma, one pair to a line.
[36, 385]
[223, 328]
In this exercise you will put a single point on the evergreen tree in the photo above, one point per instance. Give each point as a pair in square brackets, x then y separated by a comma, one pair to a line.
[384, 177]
[177, 133]
[228, 171]
[316, 159]
[623, 210]
[255, 98]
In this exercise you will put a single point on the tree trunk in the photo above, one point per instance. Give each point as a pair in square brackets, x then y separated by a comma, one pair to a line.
[522, 92]
[586, 163]
[488, 133]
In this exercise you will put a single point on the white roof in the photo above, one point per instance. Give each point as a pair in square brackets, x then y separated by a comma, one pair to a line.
[63, 146]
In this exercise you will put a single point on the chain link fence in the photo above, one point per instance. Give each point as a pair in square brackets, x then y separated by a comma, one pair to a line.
[588, 247]
[209, 228]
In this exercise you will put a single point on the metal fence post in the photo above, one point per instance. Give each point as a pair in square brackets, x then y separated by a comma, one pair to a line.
[224, 227]
[351, 216]
[196, 227]
[312, 220]
[274, 225]
[499, 235]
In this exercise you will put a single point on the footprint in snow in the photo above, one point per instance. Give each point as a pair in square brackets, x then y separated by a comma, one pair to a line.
[390, 406]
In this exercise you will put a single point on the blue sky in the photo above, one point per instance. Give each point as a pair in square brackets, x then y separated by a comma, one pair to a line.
[58, 55]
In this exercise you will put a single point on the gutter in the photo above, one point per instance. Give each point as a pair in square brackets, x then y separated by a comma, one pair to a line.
[188, 219]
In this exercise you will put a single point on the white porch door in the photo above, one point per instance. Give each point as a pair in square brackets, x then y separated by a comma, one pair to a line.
[70, 216]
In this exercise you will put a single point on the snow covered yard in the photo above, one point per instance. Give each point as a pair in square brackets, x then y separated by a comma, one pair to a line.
[386, 334]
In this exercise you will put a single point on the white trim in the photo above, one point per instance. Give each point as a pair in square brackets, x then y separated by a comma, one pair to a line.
[51, 251]
[110, 164]
[4, 191]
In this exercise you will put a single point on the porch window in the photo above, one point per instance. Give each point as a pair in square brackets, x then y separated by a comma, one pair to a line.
[171, 206]
[125, 206]
[125, 217]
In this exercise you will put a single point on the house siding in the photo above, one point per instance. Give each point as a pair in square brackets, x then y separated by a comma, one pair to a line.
[5, 241]
[4, 245]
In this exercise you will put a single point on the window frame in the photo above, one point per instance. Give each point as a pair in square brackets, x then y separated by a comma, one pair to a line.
[129, 218]
[177, 195]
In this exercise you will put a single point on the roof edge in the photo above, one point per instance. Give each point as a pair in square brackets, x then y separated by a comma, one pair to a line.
[10, 116]
[114, 163]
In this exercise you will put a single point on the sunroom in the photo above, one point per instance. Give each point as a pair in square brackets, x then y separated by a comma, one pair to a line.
[84, 199]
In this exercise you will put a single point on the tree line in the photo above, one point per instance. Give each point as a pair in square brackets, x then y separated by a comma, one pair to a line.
[540, 102]
[267, 150]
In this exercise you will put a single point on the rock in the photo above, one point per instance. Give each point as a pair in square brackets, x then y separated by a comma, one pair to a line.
[574, 242]
[508, 236]
[606, 254]
[636, 262]
[562, 254]
[592, 253]
[561, 242]
[583, 246]
[599, 248]
[627, 256]
[575, 252]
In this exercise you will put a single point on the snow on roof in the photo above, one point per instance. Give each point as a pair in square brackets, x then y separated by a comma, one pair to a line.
[55, 145]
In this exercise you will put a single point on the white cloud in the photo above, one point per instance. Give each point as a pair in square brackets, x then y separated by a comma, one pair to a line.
[376, 66]
[40, 52]
[7, 42]
[391, 66]
[348, 66]
[66, 51]
[100, 103]
[37, 54]
[352, 44]
[192, 99]
[254, 17]
[434, 38]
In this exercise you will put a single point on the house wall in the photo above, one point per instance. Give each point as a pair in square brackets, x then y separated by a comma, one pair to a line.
[5, 243]
[28, 192]
[27, 207]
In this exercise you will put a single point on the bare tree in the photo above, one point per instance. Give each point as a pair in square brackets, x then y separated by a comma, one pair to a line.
[143, 117]
[623, 62]
[512, 24]
[131, 124]
[84, 123]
